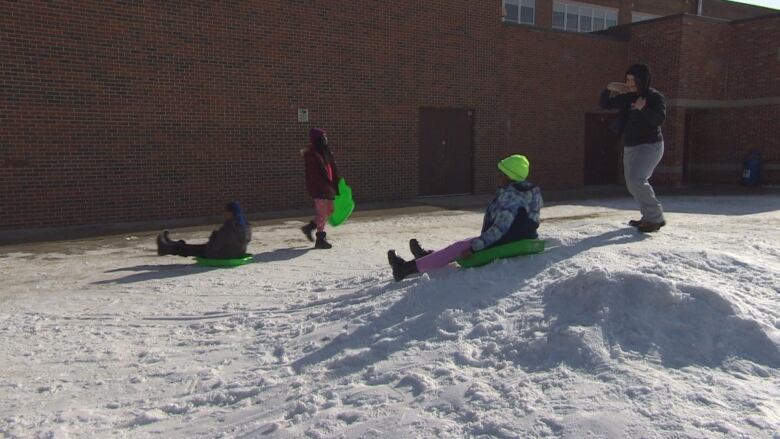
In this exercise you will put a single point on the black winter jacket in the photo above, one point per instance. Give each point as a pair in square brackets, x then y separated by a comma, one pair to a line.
[637, 127]
[230, 241]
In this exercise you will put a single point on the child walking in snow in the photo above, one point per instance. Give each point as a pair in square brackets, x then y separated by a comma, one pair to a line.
[513, 215]
[322, 179]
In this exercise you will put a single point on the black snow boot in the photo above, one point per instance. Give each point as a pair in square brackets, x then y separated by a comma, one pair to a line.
[649, 226]
[166, 237]
[417, 251]
[164, 245]
[401, 268]
[308, 229]
[321, 242]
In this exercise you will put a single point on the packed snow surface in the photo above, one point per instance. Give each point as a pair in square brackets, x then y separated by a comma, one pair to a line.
[609, 333]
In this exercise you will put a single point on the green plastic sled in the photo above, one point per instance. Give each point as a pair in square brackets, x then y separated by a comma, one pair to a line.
[517, 248]
[343, 205]
[224, 263]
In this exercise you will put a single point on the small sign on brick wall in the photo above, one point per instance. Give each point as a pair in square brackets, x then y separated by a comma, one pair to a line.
[303, 115]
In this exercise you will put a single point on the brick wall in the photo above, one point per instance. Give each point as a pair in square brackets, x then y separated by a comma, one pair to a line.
[543, 13]
[730, 10]
[545, 107]
[754, 71]
[721, 138]
[129, 111]
[704, 54]
[714, 62]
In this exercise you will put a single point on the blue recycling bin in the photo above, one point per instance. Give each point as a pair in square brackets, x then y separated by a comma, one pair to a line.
[751, 170]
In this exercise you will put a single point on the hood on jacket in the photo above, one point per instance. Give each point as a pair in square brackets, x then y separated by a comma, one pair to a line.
[641, 73]
[315, 134]
[238, 213]
[522, 186]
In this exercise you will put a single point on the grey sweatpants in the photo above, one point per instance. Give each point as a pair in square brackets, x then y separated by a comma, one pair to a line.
[639, 162]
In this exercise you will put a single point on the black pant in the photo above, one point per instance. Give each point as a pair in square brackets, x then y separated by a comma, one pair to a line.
[183, 249]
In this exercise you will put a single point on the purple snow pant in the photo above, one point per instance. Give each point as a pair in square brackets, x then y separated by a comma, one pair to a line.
[443, 257]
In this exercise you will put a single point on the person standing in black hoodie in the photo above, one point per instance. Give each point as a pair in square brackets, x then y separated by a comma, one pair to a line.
[642, 112]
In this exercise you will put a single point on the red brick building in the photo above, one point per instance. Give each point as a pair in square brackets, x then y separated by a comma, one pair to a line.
[137, 111]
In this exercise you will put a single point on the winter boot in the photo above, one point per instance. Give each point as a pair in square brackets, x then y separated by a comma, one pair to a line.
[167, 239]
[401, 268]
[308, 229]
[164, 246]
[650, 227]
[321, 242]
[416, 250]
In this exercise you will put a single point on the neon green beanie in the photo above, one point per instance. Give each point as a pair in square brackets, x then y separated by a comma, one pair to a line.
[515, 167]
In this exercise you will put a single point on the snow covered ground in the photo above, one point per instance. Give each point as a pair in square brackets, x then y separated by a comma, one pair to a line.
[609, 333]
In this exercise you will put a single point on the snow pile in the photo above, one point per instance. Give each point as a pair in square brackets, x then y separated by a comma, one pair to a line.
[609, 333]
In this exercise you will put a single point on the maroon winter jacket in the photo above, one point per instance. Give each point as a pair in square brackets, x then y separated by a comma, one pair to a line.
[322, 178]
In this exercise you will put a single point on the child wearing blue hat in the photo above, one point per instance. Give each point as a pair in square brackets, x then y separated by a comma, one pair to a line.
[228, 242]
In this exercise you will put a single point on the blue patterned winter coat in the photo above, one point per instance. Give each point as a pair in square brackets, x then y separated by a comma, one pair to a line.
[511, 216]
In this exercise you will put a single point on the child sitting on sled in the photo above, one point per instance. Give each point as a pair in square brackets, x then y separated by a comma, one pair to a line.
[513, 215]
[230, 241]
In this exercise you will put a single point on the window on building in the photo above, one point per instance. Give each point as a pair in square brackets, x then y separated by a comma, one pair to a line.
[582, 17]
[611, 17]
[599, 20]
[586, 19]
[520, 11]
[559, 16]
[641, 16]
[572, 18]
